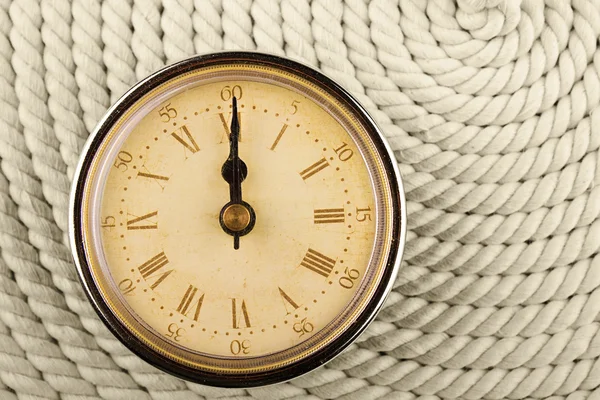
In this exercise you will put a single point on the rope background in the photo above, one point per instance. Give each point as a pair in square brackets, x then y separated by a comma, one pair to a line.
[492, 108]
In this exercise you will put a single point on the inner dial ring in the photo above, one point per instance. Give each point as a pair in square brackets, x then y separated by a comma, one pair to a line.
[164, 275]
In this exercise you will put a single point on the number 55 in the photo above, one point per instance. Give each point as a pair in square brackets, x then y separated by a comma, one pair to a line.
[167, 112]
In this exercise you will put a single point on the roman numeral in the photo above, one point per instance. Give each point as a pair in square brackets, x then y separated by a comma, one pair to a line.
[329, 216]
[188, 141]
[226, 122]
[317, 262]
[287, 300]
[313, 169]
[188, 302]
[151, 269]
[153, 176]
[278, 138]
[236, 315]
[136, 223]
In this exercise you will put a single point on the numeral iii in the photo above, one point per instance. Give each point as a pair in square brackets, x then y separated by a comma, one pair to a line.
[329, 216]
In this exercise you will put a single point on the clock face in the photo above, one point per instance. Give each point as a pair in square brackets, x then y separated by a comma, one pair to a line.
[237, 217]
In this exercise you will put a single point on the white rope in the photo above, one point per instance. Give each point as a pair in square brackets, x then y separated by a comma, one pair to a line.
[492, 109]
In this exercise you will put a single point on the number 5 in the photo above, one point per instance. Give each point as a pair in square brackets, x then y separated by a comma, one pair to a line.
[167, 112]
[295, 105]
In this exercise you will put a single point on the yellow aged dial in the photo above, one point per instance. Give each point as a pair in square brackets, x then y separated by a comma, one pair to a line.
[237, 219]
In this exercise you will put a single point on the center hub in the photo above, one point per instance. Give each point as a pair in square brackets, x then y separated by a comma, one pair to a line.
[236, 217]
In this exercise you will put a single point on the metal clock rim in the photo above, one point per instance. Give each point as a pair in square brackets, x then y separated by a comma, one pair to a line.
[286, 372]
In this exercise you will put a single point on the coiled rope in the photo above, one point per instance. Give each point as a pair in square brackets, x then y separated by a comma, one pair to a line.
[493, 110]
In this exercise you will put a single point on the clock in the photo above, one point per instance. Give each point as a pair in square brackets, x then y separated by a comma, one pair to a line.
[237, 219]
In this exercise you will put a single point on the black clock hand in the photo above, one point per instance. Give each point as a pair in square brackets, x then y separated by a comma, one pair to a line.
[234, 170]
[237, 217]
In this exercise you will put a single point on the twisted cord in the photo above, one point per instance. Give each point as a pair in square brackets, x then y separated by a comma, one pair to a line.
[483, 110]
[486, 291]
[176, 22]
[90, 73]
[267, 30]
[296, 29]
[511, 229]
[498, 296]
[512, 259]
[412, 377]
[17, 373]
[237, 25]
[458, 352]
[553, 188]
[525, 321]
[21, 257]
[207, 26]
[60, 81]
[60, 323]
[522, 164]
[118, 55]
[329, 46]
[34, 115]
[146, 41]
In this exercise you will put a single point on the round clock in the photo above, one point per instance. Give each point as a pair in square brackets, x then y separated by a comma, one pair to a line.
[237, 219]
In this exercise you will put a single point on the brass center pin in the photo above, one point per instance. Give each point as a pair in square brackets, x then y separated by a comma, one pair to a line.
[236, 217]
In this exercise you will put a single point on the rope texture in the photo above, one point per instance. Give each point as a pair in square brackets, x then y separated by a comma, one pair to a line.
[493, 110]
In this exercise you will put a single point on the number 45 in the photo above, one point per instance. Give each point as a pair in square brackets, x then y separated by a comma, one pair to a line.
[167, 112]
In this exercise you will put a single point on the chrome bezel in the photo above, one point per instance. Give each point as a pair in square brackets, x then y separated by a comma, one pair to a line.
[288, 371]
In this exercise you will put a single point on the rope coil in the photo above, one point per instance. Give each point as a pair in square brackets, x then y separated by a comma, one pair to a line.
[492, 109]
